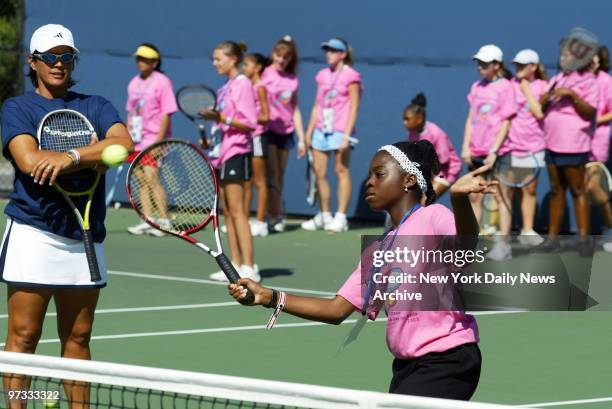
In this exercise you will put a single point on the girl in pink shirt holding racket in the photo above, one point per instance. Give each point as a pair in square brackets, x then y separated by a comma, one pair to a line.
[570, 107]
[236, 115]
[421, 129]
[491, 102]
[436, 352]
[524, 144]
[285, 118]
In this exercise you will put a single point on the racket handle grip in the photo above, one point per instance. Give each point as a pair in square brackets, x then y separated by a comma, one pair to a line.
[232, 275]
[90, 252]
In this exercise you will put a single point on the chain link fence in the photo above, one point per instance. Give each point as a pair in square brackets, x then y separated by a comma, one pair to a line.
[12, 15]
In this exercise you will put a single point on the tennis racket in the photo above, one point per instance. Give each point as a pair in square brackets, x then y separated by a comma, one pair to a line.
[186, 191]
[111, 192]
[191, 100]
[577, 50]
[60, 131]
[311, 181]
[517, 171]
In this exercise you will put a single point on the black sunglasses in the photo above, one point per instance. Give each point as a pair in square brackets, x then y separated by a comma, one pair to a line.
[50, 58]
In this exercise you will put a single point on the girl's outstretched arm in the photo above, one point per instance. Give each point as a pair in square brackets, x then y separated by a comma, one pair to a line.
[331, 311]
[472, 182]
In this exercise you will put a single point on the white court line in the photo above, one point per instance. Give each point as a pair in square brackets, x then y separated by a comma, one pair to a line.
[203, 281]
[566, 403]
[158, 308]
[228, 329]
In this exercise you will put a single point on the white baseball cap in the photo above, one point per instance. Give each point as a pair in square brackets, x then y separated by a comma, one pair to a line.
[489, 53]
[526, 56]
[51, 35]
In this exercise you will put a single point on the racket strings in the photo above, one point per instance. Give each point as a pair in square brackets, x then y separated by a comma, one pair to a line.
[192, 100]
[177, 192]
[64, 131]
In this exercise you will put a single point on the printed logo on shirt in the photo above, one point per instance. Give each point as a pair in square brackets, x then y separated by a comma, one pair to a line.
[485, 108]
[285, 97]
[232, 172]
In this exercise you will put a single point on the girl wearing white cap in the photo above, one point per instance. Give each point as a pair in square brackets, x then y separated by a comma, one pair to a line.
[491, 102]
[436, 352]
[570, 107]
[526, 136]
[330, 130]
[43, 254]
[150, 104]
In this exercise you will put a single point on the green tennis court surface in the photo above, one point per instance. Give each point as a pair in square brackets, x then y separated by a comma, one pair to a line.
[160, 309]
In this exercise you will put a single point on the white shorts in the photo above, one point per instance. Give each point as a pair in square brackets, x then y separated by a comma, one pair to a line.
[37, 258]
[526, 161]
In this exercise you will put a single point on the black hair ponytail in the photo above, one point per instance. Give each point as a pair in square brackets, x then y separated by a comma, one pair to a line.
[423, 153]
[417, 105]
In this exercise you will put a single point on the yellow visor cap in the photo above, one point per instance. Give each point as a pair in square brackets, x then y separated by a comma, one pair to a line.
[146, 52]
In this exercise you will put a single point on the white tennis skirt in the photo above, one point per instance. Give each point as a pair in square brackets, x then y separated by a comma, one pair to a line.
[36, 258]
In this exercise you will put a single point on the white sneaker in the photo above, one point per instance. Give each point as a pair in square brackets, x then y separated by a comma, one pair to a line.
[318, 222]
[530, 238]
[338, 225]
[487, 230]
[501, 251]
[250, 272]
[277, 225]
[139, 229]
[258, 228]
[220, 275]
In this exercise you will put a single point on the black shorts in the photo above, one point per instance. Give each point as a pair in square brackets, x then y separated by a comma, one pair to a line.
[566, 159]
[236, 168]
[260, 146]
[477, 161]
[451, 374]
[281, 141]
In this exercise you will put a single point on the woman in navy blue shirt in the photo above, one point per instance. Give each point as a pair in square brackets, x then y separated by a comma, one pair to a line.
[42, 254]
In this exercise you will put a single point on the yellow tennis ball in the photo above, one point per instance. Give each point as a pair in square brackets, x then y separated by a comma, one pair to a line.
[51, 404]
[114, 155]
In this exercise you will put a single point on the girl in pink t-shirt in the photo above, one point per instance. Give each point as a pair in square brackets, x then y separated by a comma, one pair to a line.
[150, 105]
[285, 118]
[421, 129]
[236, 115]
[526, 136]
[254, 64]
[570, 107]
[330, 130]
[491, 108]
[600, 145]
[436, 352]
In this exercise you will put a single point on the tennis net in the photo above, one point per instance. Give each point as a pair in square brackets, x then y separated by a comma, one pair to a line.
[49, 382]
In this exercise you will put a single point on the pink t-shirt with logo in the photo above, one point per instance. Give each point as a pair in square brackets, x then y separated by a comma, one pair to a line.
[333, 92]
[149, 99]
[260, 127]
[236, 100]
[601, 139]
[526, 133]
[450, 164]
[412, 334]
[282, 88]
[565, 130]
[491, 103]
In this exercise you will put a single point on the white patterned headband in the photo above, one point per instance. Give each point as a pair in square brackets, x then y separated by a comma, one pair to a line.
[406, 164]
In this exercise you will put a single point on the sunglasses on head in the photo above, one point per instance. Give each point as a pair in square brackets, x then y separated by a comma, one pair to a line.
[51, 58]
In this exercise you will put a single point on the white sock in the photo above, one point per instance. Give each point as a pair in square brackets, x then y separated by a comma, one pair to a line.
[341, 216]
[326, 215]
